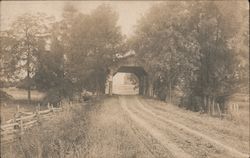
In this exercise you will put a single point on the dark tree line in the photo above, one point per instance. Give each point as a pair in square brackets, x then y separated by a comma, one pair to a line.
[61, 57]
[197, 50]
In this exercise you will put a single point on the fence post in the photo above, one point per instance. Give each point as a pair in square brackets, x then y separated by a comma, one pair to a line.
[52, 107]
[237, 105]
[14, 119]
[48, 106]
[21, 126]
[17, 109]
[38, 113]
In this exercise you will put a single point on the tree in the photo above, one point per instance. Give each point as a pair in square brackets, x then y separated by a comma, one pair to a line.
[163, 45]
[8, 57]
[51, 75]
[29, 32]
[190, 46]
[213, 31]
[94, 40]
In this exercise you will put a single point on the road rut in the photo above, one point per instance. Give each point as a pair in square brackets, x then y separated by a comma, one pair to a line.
[176, 139]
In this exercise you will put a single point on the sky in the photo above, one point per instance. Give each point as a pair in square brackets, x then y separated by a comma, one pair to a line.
[129, 11]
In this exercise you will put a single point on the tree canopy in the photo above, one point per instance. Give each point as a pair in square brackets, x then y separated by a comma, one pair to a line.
[189, 46]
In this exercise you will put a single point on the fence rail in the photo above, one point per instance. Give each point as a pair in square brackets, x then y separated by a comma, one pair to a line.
[14, 128]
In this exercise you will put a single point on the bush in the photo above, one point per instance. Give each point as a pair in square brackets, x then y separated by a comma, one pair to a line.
[191, 102]
[53, 97]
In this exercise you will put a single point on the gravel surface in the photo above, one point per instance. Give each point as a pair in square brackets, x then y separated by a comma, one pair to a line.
[132, 126]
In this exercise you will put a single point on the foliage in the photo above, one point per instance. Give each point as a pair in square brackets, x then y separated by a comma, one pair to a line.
[29, 32]
[23, 43]
[8, 57]
[186, 46]
[94, 40]
[73, 53]
[162, 37]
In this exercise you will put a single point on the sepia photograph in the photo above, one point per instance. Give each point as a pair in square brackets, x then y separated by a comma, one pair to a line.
[124, 79]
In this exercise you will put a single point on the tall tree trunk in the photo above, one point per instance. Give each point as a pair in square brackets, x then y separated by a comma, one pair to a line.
[170, 91]
[204, 103]
[150, 87]
[28, 77]
[28, 66]
[208, 105]
[212, 106]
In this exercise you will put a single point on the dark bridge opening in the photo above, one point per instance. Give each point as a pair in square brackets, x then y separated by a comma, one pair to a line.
[139, 72]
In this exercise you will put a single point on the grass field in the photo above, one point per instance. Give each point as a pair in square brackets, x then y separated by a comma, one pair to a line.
[21, 94]
[8, 108]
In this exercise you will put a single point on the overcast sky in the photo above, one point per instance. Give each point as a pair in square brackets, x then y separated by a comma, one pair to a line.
[129, 11]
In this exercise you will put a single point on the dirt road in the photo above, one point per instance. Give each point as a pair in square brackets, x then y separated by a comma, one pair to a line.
[130, 126]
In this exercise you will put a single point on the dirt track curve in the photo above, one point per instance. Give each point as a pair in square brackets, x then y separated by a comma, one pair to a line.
[130, 126]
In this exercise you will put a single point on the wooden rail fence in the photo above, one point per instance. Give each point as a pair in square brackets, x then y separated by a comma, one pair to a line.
[14, 128]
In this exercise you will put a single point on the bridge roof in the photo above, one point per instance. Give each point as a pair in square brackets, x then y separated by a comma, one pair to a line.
[137, 70]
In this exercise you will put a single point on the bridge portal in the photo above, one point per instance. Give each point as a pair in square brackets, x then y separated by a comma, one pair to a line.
[138, 71]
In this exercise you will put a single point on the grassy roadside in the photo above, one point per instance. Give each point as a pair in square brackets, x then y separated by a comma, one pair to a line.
[63, 136]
